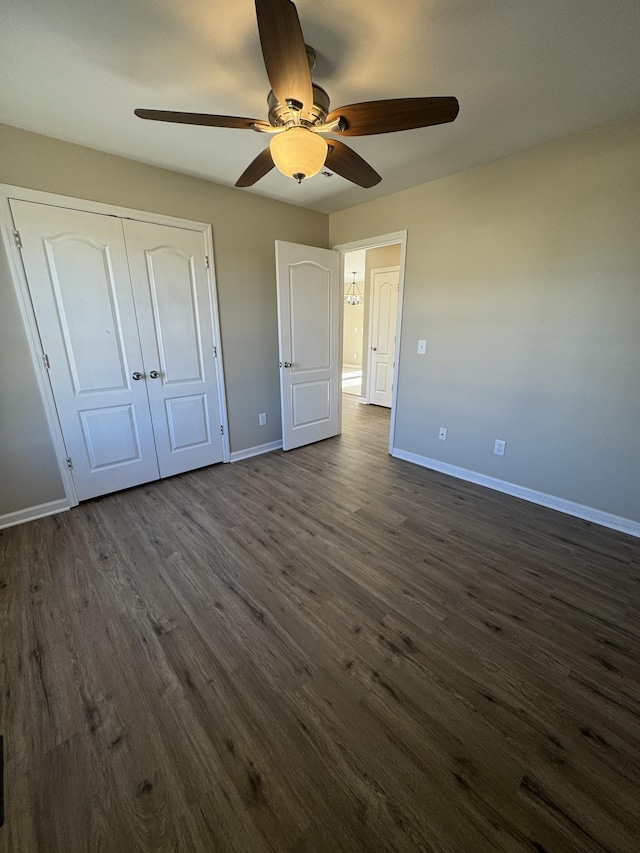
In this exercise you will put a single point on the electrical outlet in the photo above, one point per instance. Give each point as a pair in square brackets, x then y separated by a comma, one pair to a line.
[262, 419]
[499, 446]
[442, 435]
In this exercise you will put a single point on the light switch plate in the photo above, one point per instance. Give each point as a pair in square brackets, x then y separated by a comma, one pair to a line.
[422, 347]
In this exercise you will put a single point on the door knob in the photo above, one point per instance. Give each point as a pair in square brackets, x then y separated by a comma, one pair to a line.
[153, 374]
[288, 364]
[137, 375]
[374, 349]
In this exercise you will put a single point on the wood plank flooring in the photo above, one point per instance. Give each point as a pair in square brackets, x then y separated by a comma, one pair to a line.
[323, 650]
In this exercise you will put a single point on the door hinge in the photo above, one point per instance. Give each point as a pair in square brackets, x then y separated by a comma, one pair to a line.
[215, 352]
[17, 238]
[45, 358]
[206, 257]
[69, 463]
[221, 430]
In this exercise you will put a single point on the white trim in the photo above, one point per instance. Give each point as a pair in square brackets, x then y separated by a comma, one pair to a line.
[596, 516]
[217, 338]
[258, 450]
[373, 243]
[33, 512]
[8, 191]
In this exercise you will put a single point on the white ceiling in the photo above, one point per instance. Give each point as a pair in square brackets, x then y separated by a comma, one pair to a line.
[525, 72]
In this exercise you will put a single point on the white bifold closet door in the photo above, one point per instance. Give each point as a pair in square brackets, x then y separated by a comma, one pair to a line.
[125, 319]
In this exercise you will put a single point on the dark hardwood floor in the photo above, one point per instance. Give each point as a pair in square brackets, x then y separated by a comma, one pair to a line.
[323, 650]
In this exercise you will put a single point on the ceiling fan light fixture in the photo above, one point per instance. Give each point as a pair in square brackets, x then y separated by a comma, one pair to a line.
[298, 152]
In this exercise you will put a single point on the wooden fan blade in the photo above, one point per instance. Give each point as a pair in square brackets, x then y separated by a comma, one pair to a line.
[257, 169]
[399, 114]
[285, 56]
[345, 162]
[201, 118]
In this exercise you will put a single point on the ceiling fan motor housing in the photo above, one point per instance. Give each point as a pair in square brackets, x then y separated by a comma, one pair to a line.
[279, 114]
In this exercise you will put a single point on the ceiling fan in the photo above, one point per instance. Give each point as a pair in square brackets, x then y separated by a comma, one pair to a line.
[299, 112]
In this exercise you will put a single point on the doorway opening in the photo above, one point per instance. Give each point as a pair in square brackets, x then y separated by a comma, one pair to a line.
[373, 278]
[353, 320]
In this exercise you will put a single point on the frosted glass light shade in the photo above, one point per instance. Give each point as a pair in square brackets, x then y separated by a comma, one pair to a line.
[298, 153]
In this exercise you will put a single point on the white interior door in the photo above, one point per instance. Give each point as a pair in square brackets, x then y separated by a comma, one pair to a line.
[308, 285]
[382, 335]
[76, 265]
[174, 310]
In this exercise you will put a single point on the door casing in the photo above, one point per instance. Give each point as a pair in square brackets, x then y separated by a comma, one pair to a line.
[14, 258]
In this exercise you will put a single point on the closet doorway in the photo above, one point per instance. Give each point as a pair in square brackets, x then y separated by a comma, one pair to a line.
[127, 323]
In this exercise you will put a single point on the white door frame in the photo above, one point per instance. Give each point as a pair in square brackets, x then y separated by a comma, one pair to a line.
[373, 243]
[21, 288]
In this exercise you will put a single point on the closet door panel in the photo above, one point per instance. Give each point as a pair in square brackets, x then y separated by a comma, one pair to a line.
[77, 269]
[174, 310]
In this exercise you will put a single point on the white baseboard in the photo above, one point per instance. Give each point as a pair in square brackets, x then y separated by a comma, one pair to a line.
[597, 516]
[255, 451]
[33, 512]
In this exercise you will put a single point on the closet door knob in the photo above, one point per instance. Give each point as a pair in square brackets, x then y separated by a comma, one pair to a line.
[137, 375]
[153, 374]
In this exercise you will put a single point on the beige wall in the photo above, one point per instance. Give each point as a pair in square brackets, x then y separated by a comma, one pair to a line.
[524, 277]
[353, 327]
[245, 228]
